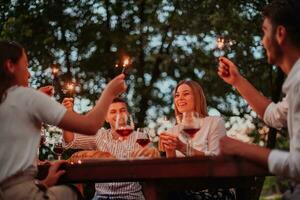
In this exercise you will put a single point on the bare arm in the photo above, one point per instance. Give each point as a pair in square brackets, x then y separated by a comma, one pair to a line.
[81, 141]
[90, 123]
[68, 135]
[229, 73]
[229, 146]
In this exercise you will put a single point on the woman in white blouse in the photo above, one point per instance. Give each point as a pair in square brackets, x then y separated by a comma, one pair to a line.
[189, 96]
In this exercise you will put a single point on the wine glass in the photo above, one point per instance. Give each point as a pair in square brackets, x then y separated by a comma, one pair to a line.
[58, 148]
[190, 125]
[124, 127]
[142, 137]
[124, 124]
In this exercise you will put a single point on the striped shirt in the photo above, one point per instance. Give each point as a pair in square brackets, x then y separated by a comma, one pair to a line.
[103, 141]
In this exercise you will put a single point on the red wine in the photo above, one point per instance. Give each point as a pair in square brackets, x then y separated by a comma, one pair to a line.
[191, 131]
[58, 150]
[143, 142]
[124, 132]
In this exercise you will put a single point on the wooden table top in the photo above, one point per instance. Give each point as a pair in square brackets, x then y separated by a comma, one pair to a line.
[97, 170]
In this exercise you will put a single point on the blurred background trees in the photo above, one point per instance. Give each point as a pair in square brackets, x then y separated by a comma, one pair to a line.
[167, 41]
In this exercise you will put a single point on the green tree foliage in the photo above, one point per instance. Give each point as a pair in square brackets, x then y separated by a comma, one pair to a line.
[167, 40]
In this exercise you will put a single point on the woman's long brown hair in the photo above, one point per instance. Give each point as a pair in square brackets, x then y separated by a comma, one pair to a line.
[199, 98]
[8, 51]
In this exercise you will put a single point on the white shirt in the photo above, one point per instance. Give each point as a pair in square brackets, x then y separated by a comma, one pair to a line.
[21, 117]
[276, 114]
[212, 129]
[104, 141]
[282, 163]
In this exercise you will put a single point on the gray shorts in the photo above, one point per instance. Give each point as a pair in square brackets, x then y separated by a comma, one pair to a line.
[24, 187]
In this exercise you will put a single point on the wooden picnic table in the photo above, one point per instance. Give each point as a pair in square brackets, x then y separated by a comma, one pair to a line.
[163, 175]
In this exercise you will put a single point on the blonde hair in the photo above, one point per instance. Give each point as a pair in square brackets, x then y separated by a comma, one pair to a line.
[199, 99]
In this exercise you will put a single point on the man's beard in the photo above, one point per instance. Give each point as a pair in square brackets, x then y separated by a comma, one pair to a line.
[275, 52]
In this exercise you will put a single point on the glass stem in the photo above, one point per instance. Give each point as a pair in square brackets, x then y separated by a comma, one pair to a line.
[189, 147]
[128, 152]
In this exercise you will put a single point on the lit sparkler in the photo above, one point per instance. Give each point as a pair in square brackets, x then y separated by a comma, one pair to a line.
[55, 73]
[224, 44]
[124, 63]
[70, 89]
[54, 70]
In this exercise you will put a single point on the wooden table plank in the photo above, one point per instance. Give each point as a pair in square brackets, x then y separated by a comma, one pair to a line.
[169, 173]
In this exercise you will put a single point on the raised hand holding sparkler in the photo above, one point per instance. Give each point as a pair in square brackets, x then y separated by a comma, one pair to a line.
[228, 71]
[124, 62]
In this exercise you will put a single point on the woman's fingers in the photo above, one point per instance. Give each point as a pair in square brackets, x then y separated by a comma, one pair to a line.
[68, 103]
[48, 90]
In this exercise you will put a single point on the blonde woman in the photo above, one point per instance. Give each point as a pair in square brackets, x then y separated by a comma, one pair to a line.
[189, 97]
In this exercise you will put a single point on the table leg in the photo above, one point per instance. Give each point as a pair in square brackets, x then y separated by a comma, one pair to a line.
[150, 190]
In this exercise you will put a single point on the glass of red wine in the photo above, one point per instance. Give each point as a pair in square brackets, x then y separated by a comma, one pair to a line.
[124, 127]
[42, 139]
[142, 137]
[190, 125]
[124, 124]
[58, 148]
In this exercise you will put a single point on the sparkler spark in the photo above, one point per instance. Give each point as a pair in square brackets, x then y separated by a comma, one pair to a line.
[124, 63]
[224, 44]
[220, 43]
[69, 89]
[70, 86]
[55, 73]
[54, 69]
